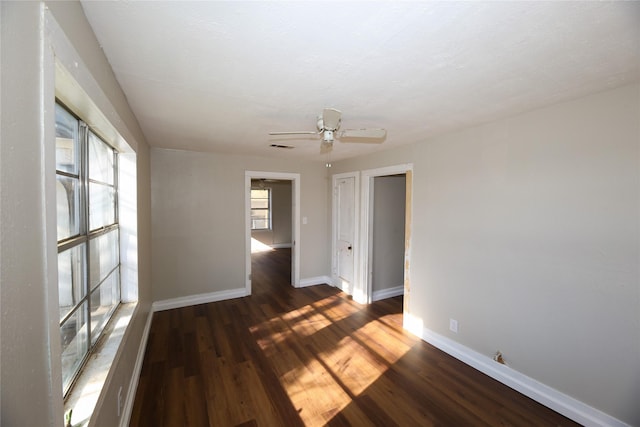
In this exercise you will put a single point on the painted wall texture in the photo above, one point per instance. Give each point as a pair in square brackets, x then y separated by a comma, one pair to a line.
[526, 230]
[25, 378]
[198, 221]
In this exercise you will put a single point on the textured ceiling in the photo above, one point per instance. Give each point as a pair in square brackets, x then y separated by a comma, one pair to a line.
[218, 76]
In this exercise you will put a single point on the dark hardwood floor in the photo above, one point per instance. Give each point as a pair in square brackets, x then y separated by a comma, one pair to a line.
[311, 356]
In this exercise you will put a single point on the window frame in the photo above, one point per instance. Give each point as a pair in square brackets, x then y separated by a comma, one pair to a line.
[85, 236]
[268, 209]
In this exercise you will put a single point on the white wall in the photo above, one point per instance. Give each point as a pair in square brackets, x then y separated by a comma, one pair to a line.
[526, 230]
[25, 379]
[31, 391]
[198, 222]
[388, 232]
[281, 211]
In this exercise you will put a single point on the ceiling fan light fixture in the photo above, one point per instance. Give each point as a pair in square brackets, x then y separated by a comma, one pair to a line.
[327, 136]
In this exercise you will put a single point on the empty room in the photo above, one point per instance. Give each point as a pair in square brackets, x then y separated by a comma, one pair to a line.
[310, 213]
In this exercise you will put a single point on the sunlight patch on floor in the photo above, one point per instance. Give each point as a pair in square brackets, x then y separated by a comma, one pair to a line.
[314, 393]
[384, 344]
[302, 322]
[328, 309]
[322, 383]
[354, 365]
[257, 246]
[271, 335]
[306, 321]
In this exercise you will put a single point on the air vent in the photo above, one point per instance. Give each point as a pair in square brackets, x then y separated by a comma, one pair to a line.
[281, 146]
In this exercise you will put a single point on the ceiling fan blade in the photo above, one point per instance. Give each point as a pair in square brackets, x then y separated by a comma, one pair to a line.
[374, 134]
[325, 147]
[294, 133]
[331, 118]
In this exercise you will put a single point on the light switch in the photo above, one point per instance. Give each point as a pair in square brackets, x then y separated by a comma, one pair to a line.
[304, 220]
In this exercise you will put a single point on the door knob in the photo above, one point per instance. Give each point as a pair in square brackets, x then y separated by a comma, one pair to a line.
[349, 247]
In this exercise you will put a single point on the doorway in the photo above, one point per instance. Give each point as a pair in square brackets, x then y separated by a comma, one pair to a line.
[386, 232]
[386, 272]
[265, 223]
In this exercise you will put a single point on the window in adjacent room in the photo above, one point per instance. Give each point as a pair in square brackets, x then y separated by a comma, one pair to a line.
[88, 238]
[260, 208]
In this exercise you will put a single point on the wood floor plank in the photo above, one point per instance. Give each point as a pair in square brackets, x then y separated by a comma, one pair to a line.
[215, 397]
[310, 357]
[174, 397]
[195, 410]
[204, 336]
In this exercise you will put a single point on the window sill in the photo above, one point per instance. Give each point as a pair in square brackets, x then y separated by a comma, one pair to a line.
[87, 391]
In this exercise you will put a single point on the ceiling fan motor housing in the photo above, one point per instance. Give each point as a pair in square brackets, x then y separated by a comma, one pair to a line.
[327, 136]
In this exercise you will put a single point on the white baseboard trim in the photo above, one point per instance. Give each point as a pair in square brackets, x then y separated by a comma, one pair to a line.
[168, 304]
[541, 393]
[137, 368]
[310, 281]
[281, 245]
[387, 293]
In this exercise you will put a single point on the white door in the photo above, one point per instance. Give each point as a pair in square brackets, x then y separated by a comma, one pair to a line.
[345, 232]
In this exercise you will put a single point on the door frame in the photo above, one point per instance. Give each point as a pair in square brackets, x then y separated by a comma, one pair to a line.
[356, 230]
[366, 232]
[295, 222]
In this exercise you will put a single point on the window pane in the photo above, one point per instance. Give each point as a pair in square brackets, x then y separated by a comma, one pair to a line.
[103, 252]
[260, 214]
[260, 194]
[86, 199]
[259, 224]
[100, 160]
[260, 204]
[74, 340]
[101, 205]
[66, 141]
[68, 206]
[103, 300]
[260, 209]
[71, 271]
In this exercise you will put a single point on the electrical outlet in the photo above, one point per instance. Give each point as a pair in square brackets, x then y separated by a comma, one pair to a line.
[120, 401]
[453, 325]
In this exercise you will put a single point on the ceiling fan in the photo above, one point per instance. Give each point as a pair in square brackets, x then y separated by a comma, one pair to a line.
[328, 126]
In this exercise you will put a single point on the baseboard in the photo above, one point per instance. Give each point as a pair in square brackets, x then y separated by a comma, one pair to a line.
[135, 375]
[311, 281]
[281, 245]
[387, 293]
[169, 304]
[541, 393]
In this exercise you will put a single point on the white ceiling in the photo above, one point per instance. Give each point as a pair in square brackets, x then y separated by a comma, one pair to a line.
[218, 76]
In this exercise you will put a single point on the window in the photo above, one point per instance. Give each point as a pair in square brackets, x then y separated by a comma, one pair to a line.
[88, 239]
[261, 209]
